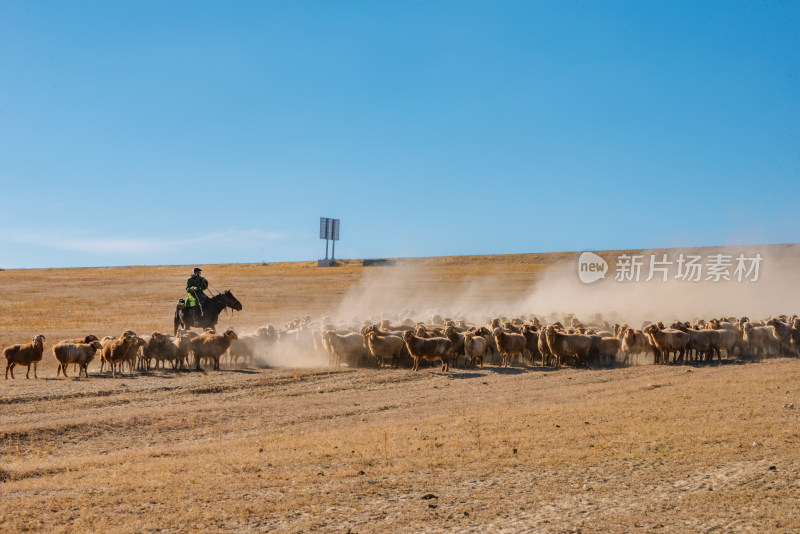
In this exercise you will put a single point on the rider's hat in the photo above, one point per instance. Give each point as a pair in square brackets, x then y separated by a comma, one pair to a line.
[198, 270]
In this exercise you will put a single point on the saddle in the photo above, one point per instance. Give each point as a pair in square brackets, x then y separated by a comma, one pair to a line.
[190, 309]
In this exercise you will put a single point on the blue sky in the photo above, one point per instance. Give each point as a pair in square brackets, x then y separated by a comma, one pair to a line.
[147, 133]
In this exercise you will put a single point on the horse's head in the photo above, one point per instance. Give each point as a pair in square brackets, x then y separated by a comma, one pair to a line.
[230, 301]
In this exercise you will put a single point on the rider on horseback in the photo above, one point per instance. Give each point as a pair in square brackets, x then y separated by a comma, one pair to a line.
[195, 298]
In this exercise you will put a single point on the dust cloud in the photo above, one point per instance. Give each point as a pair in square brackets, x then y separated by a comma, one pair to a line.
[428, 293]
[419, 292]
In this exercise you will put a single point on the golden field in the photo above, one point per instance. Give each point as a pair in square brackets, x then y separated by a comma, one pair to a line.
[664, 448]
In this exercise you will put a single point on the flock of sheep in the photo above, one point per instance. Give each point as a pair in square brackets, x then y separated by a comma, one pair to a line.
[564, 341]
[129, 349]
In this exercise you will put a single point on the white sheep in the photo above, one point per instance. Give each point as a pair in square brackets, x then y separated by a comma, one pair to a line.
[347, 348]
[474, 349]
[384, 347]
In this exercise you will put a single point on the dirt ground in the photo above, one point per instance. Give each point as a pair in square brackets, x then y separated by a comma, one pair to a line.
[524, 449]
[645, 448]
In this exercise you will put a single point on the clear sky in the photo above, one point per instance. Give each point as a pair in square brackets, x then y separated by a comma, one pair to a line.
[191, 132]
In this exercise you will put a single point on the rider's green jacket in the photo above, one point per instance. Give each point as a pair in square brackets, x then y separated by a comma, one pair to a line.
[195, 285]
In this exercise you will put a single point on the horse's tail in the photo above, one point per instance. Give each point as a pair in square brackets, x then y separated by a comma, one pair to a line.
[177, 321]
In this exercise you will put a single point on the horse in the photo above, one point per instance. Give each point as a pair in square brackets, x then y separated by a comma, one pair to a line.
[211, 310]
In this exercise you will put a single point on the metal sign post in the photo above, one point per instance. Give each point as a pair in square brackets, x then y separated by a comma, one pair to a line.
[323, 232]
[328, 230]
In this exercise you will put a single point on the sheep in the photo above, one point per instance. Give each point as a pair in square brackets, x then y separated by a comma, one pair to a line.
[431, 349]
[607, 348]
[420, 330]
[211, 346]
[781, 333]
[154, 348]
[729, 338]
[668, 341]
[458, 343]
[165, 348]
[383, 347]
[635, 342]
[133, 356]
[510, 345]
[248, 345]
[705, 343]
[702, 342]
[474, 349]
[79, 353]
[511, 328]
[116, 351]
[242, 349]
[575, 345]
[795, 337]
[759, 339]
[544, 348]
[531, 341]
[85, 339]
[27, 354]
[177, 350]
[105, 341]
[485, 333]
[348, 348]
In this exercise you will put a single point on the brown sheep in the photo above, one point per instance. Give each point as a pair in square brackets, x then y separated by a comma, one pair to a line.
[729, 337]
[86, 339]
[758, 339]
[781, 333]
[531, 341]
[575, 345]
[608, 348]
[704, 343]
[177, 350]
[795, 338]
[458, 343]
[173, 350]
[544, 348]
[78, 353]
[668, 341]
[431, 349]
[249, 345]
[133, 356]
[211, 346]
[153, 349]
[27, 354]
[510, 345]
[635, 342]
[108, 339]
[116, 351]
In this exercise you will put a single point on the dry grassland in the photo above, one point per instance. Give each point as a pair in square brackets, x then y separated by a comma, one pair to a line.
[665, 448]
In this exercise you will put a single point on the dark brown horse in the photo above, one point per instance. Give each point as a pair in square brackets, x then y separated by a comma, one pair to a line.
[191, 317]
